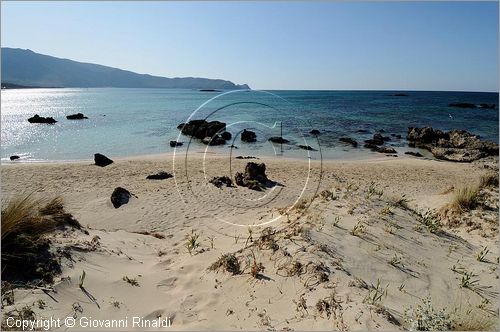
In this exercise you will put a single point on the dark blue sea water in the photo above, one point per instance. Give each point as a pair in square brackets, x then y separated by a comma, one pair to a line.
[126, 122]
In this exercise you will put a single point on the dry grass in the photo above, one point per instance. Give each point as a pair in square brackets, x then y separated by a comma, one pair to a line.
[228, 262]
[465, 198]
[25, 247]
[488, 180]
[465, 319]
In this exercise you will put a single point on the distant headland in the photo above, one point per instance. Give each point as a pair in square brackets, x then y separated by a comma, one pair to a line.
[25, 68]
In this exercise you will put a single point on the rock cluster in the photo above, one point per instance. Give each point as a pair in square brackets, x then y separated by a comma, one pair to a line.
[254, 177]
[455, 145]
[248, 136]
[41, 119]
[210, 133]
[77, 116]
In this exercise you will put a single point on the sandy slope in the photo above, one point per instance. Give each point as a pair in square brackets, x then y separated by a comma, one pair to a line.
[394, 248]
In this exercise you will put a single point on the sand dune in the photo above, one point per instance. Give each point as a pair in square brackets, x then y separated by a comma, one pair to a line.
[336, 245]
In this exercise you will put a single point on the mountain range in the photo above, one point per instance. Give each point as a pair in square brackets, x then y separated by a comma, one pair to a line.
[29, 69]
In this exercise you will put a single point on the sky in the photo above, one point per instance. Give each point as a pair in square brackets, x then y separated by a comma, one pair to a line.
[273, 45]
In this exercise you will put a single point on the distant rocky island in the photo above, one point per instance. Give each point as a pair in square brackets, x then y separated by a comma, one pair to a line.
[25, 68]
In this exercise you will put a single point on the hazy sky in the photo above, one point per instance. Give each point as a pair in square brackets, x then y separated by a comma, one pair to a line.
[279, 45]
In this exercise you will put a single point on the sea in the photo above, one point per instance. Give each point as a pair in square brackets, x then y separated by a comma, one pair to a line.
[135, 122]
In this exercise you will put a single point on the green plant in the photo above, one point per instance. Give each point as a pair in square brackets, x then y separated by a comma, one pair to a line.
[386, 210]
[192, 242]
[130, 281]
[358, 229]
[431, 221]
[396, 261]
[82, 279]
[401, 202]
[372, 190]
[424, 317]
[482, 254]
[376, 293]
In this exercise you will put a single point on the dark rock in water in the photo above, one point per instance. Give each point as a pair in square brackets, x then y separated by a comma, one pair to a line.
[307, 147]
[209, 90]
[120, 196]
[216, 140]
[362, 131]
[315, 132]
[396, 135]
[415, 154]
[381, 131]
[247, 157]
[159, 176]
[233, 146]
[77, 116]
[40, 119]
[14, 157]
[248, 136]
[279, 140]
[371, 146]
[349, 140]
[173, 144]
[455, 145]
[254, 178]
[220, 181]
[102, 160]
[488, 106]
[400, 95]
[386, 149]
[226, 135]
[377, 139]
[201, 129]
[462, 105]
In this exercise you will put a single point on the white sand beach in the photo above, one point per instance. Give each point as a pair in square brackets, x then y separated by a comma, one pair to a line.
[341, 245]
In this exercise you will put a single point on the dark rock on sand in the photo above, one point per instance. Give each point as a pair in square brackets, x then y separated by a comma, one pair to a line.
[220, 181]
[307, 147]
[40, 119]
[14, 157]
[386, 149]
[314, 132]
[226, 135]
[173, 144]
[254, 178]
[415, 154]
[201, 129]
[77, 116]
[248, 136]
[159, 176]
[102, 160]
[455, 145]
[216, 140]
[349, 140]
[120, 196]
[247, 157]
[278, 139]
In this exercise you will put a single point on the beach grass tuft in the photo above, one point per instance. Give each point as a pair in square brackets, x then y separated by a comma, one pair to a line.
[25, 247]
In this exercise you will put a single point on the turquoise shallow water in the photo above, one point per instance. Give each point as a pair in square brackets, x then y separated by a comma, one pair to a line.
[126, 122]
